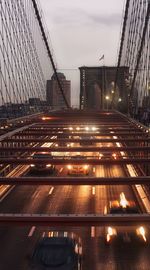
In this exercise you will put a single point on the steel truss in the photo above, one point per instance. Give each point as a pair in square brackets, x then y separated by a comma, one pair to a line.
[64, 160]
[75, 180]
[73, 219]
[74, 149]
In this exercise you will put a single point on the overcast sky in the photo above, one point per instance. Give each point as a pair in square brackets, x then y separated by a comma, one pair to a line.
[82, 31]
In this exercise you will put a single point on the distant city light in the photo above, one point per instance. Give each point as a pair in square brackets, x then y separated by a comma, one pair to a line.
[93, 128]
[46, 118]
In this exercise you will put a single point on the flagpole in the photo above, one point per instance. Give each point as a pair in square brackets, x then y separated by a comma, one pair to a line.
[104, 61]
[103, 78]
[103, 83]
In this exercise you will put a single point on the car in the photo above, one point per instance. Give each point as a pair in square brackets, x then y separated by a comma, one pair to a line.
[107, 155]
[42, 167]
[122, 206]
[86, 137]
[62, 144]
[128, 234]
[78, 168]
[61, 253]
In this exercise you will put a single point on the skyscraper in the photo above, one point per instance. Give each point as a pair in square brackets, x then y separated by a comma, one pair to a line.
[53, 94]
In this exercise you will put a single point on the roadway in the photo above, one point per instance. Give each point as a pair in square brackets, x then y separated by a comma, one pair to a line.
[17, 244]
[69, 199]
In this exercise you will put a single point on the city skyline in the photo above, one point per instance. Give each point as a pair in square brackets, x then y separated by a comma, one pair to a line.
[80, 34]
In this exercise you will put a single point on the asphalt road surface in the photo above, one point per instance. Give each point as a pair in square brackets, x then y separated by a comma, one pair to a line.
[17, 244]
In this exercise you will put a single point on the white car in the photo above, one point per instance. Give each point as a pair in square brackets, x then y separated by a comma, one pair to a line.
[125, 234]
[42, 167]
[78, 168]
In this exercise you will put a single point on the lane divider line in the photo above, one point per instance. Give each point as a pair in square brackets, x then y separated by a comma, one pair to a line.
[4, 196]
[43, 235]
[51, 190]
[93, 190]
[61, 169]
[92, 231]
[94, 169]
[31, 231]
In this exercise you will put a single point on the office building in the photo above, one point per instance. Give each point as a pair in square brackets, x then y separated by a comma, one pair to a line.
[53, 93]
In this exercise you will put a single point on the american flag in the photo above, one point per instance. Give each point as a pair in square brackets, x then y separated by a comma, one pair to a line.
[102, 57]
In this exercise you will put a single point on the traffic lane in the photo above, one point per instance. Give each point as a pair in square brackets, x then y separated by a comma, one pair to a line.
[34, 199]
[18, 240]
[16, 247]
[28, 199]
[35, 237]
[113, 192]
[118, 257]
[82, 199]
[105, 194]
[24, 244]
[31, 203]
[86, 236]
[25, 199]
[121, 256]
[53, 207]
[106, 257]
[78, 200]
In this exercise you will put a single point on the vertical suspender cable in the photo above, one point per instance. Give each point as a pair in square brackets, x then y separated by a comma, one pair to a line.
[141, 47]
[49, 52]
[122, 40]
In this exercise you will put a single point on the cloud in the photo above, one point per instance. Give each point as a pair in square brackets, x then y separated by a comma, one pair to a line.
[82, 31]
[76, 16]
[71, 16]
[112, 19]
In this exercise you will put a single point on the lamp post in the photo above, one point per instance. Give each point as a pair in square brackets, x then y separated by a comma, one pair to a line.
[107, 100]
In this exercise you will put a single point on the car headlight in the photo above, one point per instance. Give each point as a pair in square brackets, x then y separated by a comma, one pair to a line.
[69, 167]
[110, 232]
[48, 165]
[141, 231]
[100, 156]
[87, 128]
[93, 128]
[32, 165]
[76, 248]
[77, 128]
[114, 155]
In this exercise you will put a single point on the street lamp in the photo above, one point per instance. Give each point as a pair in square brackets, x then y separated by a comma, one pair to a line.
[119, 100]
[107, 100]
